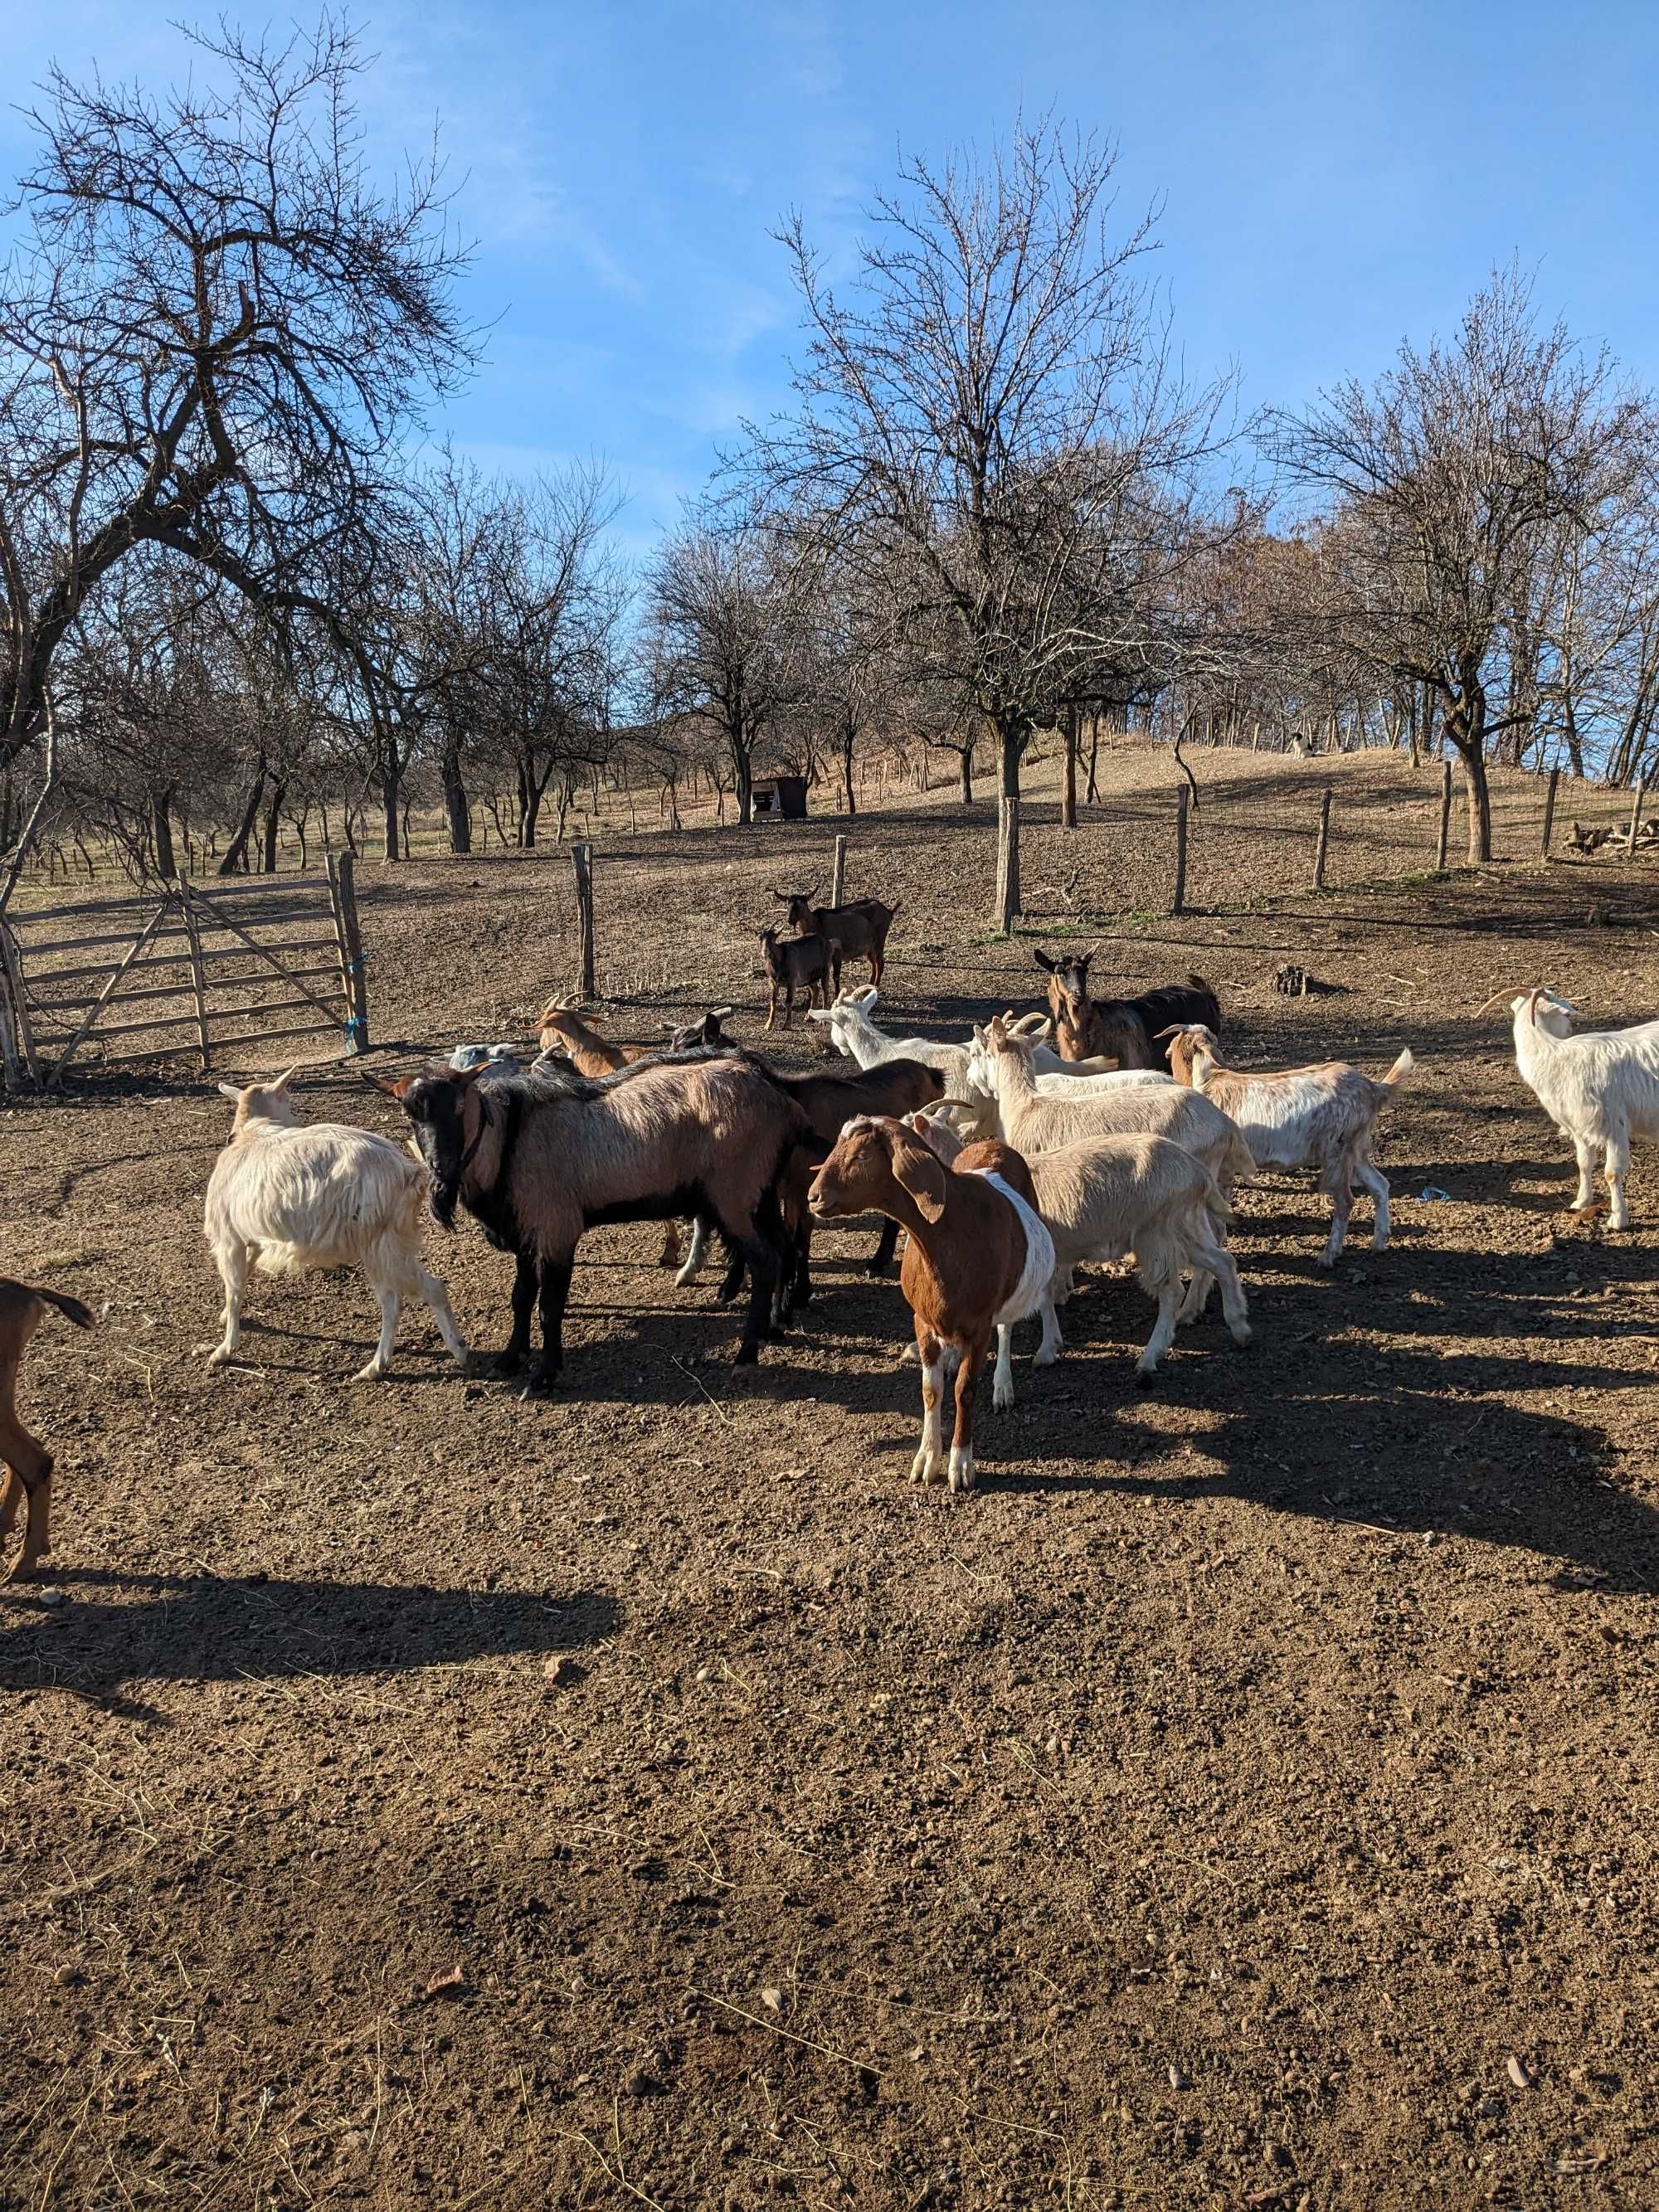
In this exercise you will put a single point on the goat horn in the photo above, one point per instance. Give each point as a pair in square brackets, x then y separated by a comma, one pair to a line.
[1507, 992]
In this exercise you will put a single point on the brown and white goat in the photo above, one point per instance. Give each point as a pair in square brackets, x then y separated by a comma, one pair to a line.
[25, 1459]
[979, 1260]
[542, 1157]
[1321, 1117]
[1125, 1030]
[1113, 1198]
[856, 931]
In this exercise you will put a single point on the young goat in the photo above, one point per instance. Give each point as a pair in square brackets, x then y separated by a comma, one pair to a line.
[1125, 1030]
[25, 1459]
[795, 964]
[289, 1199]
[857, 930]
[979, 1259]
[1600, 1089]
[1318, 1117]
[1111, 1198]
[542, 1159]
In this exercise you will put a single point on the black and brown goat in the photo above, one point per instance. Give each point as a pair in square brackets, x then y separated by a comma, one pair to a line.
[856, 931]
[28, 1462]
[541, 1158]
[795, 964]
[1124, 1030]
[895, 1087]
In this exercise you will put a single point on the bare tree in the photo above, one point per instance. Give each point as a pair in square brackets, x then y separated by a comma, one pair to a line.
[988, 419]
[1450, 474]
[726, 608]
[213, 335]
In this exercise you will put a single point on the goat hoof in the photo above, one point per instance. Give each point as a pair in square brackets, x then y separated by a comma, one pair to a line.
[373, 1373]
[505, 1364]
[748, 1356]
[539, 1382]
[1145, 1378]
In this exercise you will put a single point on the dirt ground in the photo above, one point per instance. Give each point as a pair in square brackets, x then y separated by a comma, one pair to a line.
[413, 1794]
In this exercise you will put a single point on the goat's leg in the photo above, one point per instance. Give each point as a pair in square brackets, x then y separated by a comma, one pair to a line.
[882, 1258]
[1369, 1179]
[1220, 1261]
[391, 1306]
[1616, 1167]
[12, 1494]
[1339, 1186]
[1584, 1151]
[526, 1280]
[1002, 1390]
[772, 1004]
[37, 1525]
[693, 1258]
[234, 1261]
[1052, 1343]
[556, 1288]
[1168, 1294]
[930, 1454]
[762, 1260]
[962, 1436]
[1198, 1295]
[434, 1292]
[670, 1255]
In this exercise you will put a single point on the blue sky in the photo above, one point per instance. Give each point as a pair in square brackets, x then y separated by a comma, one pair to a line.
[1334, 177]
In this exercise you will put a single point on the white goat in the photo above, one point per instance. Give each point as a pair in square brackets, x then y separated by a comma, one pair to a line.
[1600, 1089]
[288, 1198]
[1109, 1198]
[1320, 1117]
[854, 1033]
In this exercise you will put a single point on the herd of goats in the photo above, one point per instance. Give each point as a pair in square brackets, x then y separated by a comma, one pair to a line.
[1097, 1131]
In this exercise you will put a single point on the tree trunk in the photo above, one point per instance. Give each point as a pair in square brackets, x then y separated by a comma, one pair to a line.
[391, 780]
[236, 851]
[272, 823]
[455, 800]
[1091, 792]
[1012, 740]
[966, 758]
[167, 864]
[1466, 727]
[743, 776]
[846, 743]
[1068, 796]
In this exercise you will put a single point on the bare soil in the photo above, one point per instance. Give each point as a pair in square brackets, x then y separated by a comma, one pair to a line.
[416, 1795]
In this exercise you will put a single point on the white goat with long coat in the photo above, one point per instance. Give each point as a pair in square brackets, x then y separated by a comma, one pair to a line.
[288, 1198]
[1600, 1088]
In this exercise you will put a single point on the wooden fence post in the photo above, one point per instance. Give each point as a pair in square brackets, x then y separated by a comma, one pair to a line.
[1445, 815]
[198, 980]
[1323, 845]
[342, 892]
[10, 1065]
[581, 861]
[1178, 904]
[1636, 816]
[13, 957]
[838, 878]
[1549, 814]
[1008, 864]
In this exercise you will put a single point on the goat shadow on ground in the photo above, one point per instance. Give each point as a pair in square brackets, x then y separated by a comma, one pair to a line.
[212, 1628]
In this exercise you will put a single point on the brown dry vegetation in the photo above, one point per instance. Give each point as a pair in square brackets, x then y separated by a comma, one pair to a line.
[423, 1795]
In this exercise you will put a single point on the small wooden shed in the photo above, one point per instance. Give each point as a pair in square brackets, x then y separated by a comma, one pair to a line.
[783, 797]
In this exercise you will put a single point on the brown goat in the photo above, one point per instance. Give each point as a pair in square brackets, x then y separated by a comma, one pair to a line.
[792, 963]
[979, 1259]
[856, 931]
[28, 1462]
[564, 1030]
[540, 1158]
[829, 1102]
[1125, 1029]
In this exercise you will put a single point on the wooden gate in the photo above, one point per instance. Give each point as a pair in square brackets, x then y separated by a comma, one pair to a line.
[207, 972]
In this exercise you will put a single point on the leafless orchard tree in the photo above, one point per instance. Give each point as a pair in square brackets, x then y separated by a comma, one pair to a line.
[988, 419]
[215, 334]
[1451, 474]
[727, 621]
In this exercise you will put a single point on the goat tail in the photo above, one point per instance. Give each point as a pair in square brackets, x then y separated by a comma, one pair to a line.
[71, 1309]
[1401, 1070]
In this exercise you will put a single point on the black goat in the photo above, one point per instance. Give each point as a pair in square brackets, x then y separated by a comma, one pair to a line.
[1125, 1030]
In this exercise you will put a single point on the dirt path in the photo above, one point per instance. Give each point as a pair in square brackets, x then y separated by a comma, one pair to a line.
[1246, 1799]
